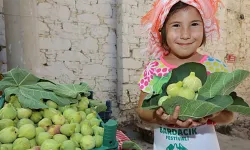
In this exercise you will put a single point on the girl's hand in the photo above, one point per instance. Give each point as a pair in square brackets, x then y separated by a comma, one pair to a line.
[165, 119]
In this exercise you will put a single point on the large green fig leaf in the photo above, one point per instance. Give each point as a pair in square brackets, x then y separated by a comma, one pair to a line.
[159, 81]
[152, 102]
[222, 83]
[239, 105]
[240, 109]
[178, 74]
[196, 109]
[25, 99]
[24, 84]
[47, 85]
[157, 86]
[66, 90]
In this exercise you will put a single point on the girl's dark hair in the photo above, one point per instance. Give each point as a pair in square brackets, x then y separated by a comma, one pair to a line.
[174, 9]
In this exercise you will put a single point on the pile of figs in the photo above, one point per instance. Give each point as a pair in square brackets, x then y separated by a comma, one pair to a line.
[70, 127]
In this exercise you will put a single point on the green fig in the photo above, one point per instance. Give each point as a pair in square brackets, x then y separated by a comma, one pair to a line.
[67, 113]
[83, 114]
[86, 130]
[8, 135]
[85, 99]
[98, 141]
[42, 137]
[16, 120]
[33, 143]
[74, 106]
[174, 88]
[39, 130]
[50, 112]
[91, 115]
[68, 145]
[187, 93]
[76, 138]
[60, 138]
[15, 102]
[85, 122]
[23, 122]
[6, 147]
[192, 82]
[68, 129]
[21, 144]
[23, 113]
[28, 131]
[8, 112]
[51, 104]
[50, 144]
[87, 142]
[58, 119]
[62, 108]
[45, 123]
[78, 127]
[82, 105]
[36, 116]
[75, 117]
[98, 130]
[94, 121]
[6, 123]
[41, 111]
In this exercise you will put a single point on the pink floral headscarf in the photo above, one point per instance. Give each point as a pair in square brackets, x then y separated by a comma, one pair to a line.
[154, 20]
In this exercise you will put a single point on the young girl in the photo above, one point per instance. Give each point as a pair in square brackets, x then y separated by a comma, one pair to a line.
[177, 29]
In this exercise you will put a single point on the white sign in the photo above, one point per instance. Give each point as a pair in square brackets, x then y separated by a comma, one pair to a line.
[198, 138]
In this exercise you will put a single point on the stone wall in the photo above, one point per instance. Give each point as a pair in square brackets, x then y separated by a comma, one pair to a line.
[3, 60]
[131, 40]
[77, 42]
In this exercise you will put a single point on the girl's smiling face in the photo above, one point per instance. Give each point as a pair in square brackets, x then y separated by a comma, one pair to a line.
[184, 32]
